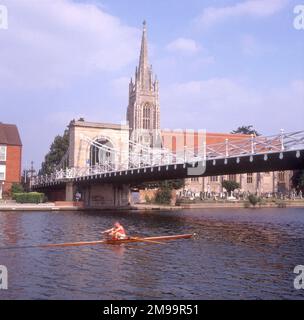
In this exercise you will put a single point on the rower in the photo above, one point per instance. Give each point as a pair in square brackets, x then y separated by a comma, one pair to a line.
[117, 232]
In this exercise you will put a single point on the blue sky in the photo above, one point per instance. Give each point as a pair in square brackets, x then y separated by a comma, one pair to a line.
[220, 64]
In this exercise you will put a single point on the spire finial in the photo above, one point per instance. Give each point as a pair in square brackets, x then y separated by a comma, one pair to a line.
[144, 25]
[143, 60]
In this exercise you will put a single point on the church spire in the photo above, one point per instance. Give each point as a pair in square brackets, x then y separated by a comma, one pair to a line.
[143, 112]
[144, 68]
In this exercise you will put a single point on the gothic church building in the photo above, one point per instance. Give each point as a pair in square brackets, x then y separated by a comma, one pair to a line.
[143, 116]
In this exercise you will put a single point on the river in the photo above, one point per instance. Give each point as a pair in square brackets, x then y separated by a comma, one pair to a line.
[237, 254]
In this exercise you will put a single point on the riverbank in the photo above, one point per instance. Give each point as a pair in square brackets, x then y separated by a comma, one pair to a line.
[218, 205]
[72, 206]
[50, 206]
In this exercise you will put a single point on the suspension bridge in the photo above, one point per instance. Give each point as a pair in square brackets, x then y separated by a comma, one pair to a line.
[108, 172]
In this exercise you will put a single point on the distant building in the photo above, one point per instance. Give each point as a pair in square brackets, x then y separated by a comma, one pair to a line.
[261, 183]
[10, 158]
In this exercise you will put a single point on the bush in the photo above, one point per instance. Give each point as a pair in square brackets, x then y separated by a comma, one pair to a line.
[230, 186]
[147, 199]
[17, 188]
[253, 199]
[163, 196]
[31, 197]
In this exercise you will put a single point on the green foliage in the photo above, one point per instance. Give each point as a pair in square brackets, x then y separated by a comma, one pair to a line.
[163, 196]
[17, 188]
[298, 179]
[164, 192]
[30, 197]
[58, 149]
[246, 130]
[171, 184]
[147, 199]
[230, 186]
[253, 199]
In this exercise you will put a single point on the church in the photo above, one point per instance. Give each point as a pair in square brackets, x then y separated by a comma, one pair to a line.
[144, 128]
[143, 116]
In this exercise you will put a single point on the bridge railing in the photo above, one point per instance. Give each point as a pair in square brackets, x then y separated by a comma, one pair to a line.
[142, 156]
[256, 145]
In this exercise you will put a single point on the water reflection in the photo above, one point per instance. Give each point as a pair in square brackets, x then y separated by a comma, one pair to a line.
[237, 254]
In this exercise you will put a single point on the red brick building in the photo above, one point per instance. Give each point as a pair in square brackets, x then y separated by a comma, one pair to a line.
[10, 158]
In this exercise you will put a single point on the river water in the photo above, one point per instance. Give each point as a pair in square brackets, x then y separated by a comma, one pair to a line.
[237, 254]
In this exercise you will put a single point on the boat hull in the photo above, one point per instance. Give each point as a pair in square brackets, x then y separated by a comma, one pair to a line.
[149, 239]
[106, 241]
[121, 241]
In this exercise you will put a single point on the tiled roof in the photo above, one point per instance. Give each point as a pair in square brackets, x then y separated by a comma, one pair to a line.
[9, 135]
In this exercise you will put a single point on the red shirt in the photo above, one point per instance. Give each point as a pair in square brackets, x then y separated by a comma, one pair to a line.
[120, 230]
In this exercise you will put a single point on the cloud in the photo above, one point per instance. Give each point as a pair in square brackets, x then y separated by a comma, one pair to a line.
[251, 46]
[52, 42]
[249, 8]
[184, 46]
[227, 103]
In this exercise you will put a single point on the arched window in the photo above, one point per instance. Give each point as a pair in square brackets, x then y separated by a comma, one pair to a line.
[101, 156]
[281, 176]
[146, 117]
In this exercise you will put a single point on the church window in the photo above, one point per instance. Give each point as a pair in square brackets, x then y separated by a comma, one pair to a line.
[146, 117]
[232, 177]
[281, 176]
[249, 178]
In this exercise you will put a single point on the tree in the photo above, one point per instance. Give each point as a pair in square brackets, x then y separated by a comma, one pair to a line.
[246, 130]
[17, 188]
[163, 195]
[253, 199]
[298, 180]
[230, 186]
[171, 184]
[58, 149]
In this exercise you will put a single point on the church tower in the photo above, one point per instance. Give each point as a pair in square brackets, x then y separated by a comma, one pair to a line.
[143, 112]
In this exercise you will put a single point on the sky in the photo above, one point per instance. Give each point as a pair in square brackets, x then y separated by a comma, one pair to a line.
[221, 64]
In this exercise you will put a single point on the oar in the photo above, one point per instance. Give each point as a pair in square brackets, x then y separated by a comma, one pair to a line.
[73, 244]
[54, 245]
[20, 247]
